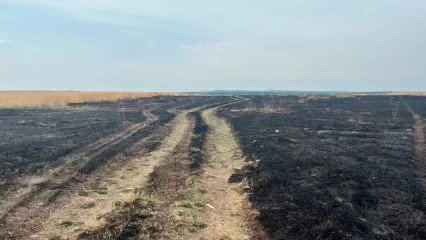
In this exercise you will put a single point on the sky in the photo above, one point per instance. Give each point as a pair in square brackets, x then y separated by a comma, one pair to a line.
[195, 45]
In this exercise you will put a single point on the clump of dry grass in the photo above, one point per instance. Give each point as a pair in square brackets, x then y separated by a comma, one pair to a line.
[58, 99]
[397, 94]
[266, 108]
[349, 94]
[306, 98]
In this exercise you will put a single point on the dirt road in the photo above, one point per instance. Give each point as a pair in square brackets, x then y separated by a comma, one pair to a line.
[120, 188]
[420, 143]
[44, 210]
[23, 212]
[230, 214]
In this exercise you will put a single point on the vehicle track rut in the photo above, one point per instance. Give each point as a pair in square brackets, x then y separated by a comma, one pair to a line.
[41, 190]
[231, 215]
[420, 143]
[121, 186]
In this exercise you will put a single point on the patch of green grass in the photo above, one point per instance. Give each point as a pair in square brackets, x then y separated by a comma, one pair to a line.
[200, 204]
[55, 238]
[202, 191]
[200, 225]
[102, 191]
[89, 205]
[66, 224]
[186, 205]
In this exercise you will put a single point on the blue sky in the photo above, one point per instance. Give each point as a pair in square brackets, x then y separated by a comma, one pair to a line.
[188, 45]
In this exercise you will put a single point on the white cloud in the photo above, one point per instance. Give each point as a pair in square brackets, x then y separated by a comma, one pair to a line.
[4, 41]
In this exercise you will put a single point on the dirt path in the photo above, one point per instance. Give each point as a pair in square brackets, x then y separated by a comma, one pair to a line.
[86, 211]
[227, 216]
[420, 143]
[28, 207]
[40, 187]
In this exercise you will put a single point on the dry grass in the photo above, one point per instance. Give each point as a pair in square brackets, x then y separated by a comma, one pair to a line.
[349, 94]
[268, 107]
[122, 187]
[346, 95]
[401, 94]
[306, 98]
[264, 110]
[57, 99]
[303, 99]
[226, 218]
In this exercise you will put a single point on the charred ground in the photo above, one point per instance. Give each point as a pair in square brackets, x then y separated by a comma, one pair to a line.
[34, 139]
[318, 168]
[338, 168]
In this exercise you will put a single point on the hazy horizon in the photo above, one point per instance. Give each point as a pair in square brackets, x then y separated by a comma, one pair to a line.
[184, 46]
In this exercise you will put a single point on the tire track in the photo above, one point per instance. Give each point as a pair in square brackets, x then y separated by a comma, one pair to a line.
[230, 215]
[122, 188]
[420, 143]
[43, 189]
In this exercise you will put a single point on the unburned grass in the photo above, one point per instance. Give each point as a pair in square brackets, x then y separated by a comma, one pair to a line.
[55, 238]
[200, 225]
[102, 191]
[67, 224]
[55, 99]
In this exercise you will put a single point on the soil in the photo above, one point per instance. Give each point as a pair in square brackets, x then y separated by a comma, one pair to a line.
[278, 167]
[226, 216]
[40, 188]
[420, 143]
[35, 139]
[211, 150]
[337, 168]
[122, 188]
[166, 184]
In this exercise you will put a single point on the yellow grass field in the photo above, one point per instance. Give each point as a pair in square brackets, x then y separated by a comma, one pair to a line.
[57, 99]
[349, 94]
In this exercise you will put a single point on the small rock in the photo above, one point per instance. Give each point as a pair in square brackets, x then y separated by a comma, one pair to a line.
[277, 131]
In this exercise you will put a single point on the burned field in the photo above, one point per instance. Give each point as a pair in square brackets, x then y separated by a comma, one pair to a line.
[52, 154]
[338, 168]
[317, 168]
[34, 139]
